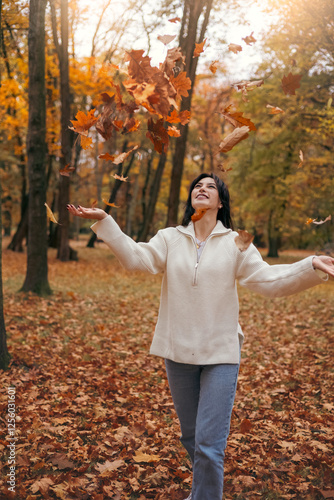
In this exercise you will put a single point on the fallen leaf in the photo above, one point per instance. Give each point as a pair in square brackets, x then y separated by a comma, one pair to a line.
[199, 48]
[238, 135]
[243, 240]
[166, 39]
[41, 485]
[144, 457]
[103, 469]
[290, 83]
[49, 214]
[245, 425]
[234, 48]
[198, 214]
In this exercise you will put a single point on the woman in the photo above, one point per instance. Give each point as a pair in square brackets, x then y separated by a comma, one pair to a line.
[197, 330]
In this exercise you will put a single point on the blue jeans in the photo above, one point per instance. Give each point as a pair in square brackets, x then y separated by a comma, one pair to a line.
[203, 397]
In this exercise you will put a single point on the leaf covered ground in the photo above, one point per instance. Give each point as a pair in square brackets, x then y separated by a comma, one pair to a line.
[94, 414]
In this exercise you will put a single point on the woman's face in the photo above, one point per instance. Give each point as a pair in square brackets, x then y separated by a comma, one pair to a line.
[205, 195]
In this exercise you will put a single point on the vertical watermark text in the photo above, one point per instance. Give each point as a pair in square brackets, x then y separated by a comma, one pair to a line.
[11, 414]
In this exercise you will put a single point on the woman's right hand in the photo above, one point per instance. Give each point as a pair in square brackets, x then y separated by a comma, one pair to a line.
[87, 213]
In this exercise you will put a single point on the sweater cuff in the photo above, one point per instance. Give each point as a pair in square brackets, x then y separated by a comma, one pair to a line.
[323, 276]
[106, 227]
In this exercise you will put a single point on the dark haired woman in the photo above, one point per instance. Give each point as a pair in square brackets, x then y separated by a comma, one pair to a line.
[197, 331]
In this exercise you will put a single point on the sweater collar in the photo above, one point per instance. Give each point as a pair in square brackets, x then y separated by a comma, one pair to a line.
[190, 229]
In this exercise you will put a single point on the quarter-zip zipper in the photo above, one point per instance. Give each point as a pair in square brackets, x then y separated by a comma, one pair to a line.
[197, 260]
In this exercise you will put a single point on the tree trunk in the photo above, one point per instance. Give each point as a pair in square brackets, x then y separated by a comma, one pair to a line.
[193, 9]
[4, 354]
[22, 229]
[273, 237]
[37, 266]
[64, 253]
[154, 193]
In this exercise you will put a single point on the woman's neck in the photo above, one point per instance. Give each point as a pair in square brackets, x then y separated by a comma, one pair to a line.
[205, 226]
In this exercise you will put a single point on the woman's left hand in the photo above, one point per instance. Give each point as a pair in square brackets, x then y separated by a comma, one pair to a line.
[324, 263]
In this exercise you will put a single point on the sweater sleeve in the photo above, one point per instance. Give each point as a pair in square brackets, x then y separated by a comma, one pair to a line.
[278, 280]
[150, 257]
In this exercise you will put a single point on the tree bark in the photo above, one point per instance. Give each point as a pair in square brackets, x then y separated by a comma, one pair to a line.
[193, 9]
[64, 253]
[154, 193]
[37, 267]
[4, 354]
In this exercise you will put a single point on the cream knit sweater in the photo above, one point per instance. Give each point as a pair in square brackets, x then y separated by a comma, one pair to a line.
[199, 309]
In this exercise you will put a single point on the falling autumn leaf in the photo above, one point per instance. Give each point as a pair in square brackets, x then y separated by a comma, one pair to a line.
[243, 240]
[184, 117]
[237, 120]
[198, 214]
[94, 203]
[166, 39]
[83, 121]
[181, 83]
[214, 66]
[274, 110]
[118, 158]
[158, 135]
[173, 117]
[175, 20]
[110, 204]
[120, 177]
[249, 39]
[66, 170]
[173, 132]
[107, 156]
[301, 157]
[223, 169]
[234, 48]
[50, 215]
[238, 135]
[86, 142]
[314, 221]
[290, 83]
[199, 48]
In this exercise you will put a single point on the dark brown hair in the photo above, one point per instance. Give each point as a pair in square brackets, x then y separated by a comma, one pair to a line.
[224, 213]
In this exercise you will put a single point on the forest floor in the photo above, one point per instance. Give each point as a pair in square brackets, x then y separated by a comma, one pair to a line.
[94, 416]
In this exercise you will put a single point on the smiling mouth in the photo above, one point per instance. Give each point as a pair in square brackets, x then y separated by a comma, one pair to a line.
[203, 195]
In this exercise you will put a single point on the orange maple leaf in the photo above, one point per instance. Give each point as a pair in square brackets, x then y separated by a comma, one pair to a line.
[181, 83]
[173, 132]
[118, 124]
[199, 48]
[173, 117]
[107, 156]
[175, 20]
[290, 83]
[86, 142]
[198, 214]
[131, 125]
[83, 121]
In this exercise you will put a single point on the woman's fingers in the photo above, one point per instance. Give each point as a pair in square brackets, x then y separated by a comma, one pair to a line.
[87, 213]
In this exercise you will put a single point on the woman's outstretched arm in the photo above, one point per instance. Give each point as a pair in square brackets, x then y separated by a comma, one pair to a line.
[87, 213]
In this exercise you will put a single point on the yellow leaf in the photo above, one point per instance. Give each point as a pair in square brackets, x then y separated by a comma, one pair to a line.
[144, 457]
[49, 213]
